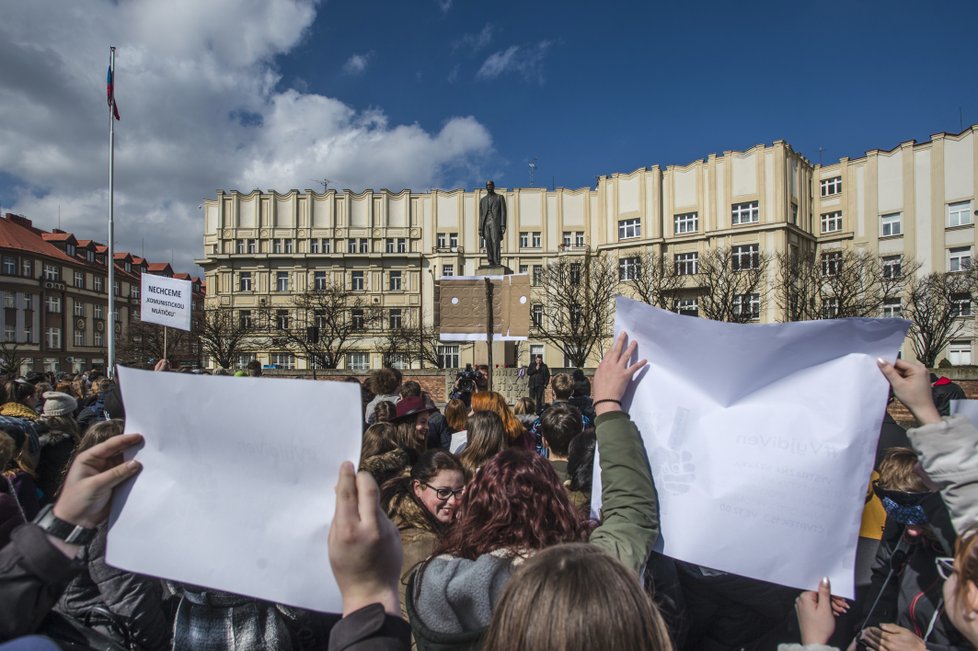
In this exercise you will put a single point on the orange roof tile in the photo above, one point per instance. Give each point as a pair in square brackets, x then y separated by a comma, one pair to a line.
[16, 236]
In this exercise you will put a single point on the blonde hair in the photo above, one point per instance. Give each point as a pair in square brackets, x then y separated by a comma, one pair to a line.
[897, 472]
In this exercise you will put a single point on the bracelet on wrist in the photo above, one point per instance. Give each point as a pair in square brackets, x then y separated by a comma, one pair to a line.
[598, 402]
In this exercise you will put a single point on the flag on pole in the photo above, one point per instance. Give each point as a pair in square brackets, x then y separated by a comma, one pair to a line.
[110, 94]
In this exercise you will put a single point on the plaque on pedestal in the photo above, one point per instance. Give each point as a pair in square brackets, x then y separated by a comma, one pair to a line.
[493, 270]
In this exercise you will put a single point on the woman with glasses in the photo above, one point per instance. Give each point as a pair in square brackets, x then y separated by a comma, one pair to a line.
[422, 506]
[961, 585]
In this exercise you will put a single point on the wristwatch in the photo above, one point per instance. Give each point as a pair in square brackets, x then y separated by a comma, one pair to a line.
[72, 534]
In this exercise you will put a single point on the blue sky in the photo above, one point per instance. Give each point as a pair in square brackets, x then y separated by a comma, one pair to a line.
[274, 94]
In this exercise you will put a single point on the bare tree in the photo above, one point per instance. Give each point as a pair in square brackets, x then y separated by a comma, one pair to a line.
[840, 283]
[939, 306]
[10, 358]
[145, 342]
[323, 323]
[577, 306]
[732, 283]
[411, 342]
[224, 335]
[653, 280]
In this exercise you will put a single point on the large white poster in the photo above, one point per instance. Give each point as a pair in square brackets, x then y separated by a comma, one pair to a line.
[236, 493]
[166, 301]
[761, 438]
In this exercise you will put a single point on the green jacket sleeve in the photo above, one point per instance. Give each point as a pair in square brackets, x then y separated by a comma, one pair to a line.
[630, 507]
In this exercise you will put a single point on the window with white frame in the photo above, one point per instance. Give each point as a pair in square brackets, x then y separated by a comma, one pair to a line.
[536, 315]
[628, 268]
[276, 245]
[687, 222]
[9, 299]
[959, 214]
[239, 246]
[359, 361]
[282, 319]
[356, 281]
[747, 305]
[244, 319]
[441, 240]
[447, 270]
[389, 246]
[319, 318]
[78, 308]
[283, 360]
[364, 245]
[357, 319]
[535, 240]
[575, 273]
[524, 268]
[52, 337]
[27, 268]
[959, 352]
[402, 246]
[578, 238]
[959, 258]
[99, 311]
[524, 239]
[745, 256]
[98, 339]
[28, 301]
[536, 349]
[395, 319]
[79, 337]
[246, 358]
[832, 221]
[314, 245]
[745, 213]
[567, 238]
[628, 228]
[9, 332]
[394, 281]
[398, 361]
[281, 281]
[351, 245]
[573, 239]
[53, 304]
[252, 246]
[52, 272]
[830, 308]
[892, 266]
[536, 278]
[687, 263]
[80, 279]
[891, 224]
[828, 187]
[892, 308]
[319, 280]
[9, 265]
[686, 306]
[244, 281]
[448, 356]
[99, 283]
[326, 245]
[290, 246]
[831, 263]
[961, 304]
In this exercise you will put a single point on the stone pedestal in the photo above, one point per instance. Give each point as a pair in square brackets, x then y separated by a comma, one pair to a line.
[487, 270]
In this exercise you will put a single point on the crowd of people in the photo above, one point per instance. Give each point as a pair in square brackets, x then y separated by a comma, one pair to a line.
[470, 527]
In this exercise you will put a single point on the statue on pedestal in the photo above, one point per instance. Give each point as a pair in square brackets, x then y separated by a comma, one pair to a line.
[492, 223]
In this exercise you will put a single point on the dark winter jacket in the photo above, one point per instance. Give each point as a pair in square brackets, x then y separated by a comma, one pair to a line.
[33, 574]
[912, 598]
[56, 449]
[135, 602]
[944, 391]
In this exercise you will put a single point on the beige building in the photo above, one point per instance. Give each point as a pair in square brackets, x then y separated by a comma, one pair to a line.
[262, 248]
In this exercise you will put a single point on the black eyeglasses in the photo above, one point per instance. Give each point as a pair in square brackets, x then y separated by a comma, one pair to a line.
[945, 566]
[445, 493]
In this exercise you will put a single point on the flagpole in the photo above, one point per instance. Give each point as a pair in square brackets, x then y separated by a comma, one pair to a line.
[110, 257]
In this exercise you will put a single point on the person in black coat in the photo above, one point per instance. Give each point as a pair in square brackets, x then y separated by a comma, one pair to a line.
[539, 378]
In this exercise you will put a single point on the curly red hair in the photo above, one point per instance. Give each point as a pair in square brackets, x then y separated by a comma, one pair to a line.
[516, 502]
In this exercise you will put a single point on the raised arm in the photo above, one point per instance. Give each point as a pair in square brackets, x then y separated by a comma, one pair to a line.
[630, 511]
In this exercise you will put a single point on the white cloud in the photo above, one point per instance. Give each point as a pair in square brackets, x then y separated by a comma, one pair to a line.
[357, 63]
[445, 5]
[196, 86]
[475, 42]
[526, 61]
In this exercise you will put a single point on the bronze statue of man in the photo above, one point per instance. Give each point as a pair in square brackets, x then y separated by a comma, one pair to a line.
[492, 223]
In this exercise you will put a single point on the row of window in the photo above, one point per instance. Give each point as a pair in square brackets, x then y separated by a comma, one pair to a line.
[52, 272]
[891, 224]
[52, 337]
[325, 245]
[449, 356]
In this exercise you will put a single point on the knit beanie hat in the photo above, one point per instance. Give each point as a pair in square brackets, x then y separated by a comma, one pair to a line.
[58, 404]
